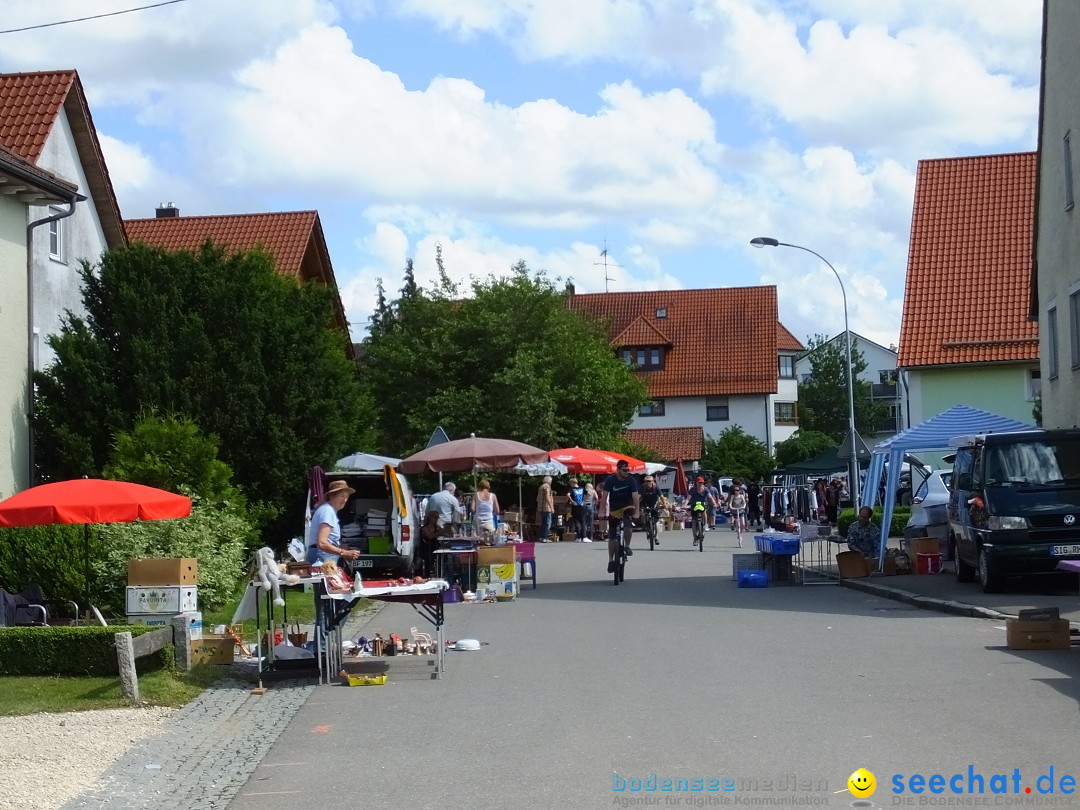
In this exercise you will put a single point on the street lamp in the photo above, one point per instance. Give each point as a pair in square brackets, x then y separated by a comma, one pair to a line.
[853, 461]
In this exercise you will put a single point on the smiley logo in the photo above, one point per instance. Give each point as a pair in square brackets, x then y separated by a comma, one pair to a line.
[862, 783]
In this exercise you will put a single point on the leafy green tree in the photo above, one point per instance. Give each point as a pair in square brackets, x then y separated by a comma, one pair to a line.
[804, 444]
[823, 398]
[508, 360]
[738, 454]
[248, 355]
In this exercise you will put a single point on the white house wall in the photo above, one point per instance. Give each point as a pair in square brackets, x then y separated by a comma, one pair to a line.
[14, 429]
[748, 412]
[57, 285]
[787, 390]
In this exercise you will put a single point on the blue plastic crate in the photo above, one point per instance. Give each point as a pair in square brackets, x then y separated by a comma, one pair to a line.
[770, 544]
[753, 579]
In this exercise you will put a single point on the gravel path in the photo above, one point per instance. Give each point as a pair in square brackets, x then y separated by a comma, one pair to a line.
[51, 758]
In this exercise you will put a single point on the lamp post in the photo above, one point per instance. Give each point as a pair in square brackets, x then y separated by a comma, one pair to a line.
[853, 460]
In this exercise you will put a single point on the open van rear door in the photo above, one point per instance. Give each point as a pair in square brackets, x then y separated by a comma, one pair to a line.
[401, 514]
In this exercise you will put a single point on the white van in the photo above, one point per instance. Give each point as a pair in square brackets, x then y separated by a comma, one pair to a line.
[379, 520]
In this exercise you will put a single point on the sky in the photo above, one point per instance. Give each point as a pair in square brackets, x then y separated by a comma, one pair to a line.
[668, 133]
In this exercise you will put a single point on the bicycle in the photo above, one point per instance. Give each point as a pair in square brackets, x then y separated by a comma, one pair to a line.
[698, 527]
[651, 516]
[617, 529]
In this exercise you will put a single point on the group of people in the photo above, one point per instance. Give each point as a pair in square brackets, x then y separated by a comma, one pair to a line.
[742, 502]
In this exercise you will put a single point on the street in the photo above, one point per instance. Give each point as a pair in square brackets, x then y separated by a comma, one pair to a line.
[583, 690]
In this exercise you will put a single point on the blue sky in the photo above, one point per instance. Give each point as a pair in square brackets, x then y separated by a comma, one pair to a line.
[673, 131]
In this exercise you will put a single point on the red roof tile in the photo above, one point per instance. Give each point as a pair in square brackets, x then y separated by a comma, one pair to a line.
[722, 341]
[29, 105]
[969, 263]
[685, 443]
[285, 236]
[785, 341]
[294, 238]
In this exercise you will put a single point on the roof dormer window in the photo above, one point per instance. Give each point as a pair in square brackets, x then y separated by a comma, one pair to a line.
[661, 313]
[644, 358]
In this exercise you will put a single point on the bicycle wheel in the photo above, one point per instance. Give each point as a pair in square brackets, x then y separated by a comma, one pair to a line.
[701, 533]
[650, 530]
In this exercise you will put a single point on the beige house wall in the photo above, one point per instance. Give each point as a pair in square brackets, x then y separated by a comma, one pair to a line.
[14, 428]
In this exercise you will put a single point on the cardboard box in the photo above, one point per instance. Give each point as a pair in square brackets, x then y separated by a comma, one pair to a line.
[851, 564]
[510, 517]
[502, 591]
[1046, 614]
[1051, 635]
[924, 545]
[494, 555]
[494, 575]
[212, 650]
[174, 571]
[162, 599]
[195, 626]
[569, 537]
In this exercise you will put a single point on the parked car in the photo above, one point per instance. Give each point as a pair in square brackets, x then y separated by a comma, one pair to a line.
[380, 520]
[929, 508]
[1014, 507]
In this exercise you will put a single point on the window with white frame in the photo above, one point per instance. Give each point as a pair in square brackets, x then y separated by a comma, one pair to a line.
[1034, 384]
[654, 408]
[716, 409]
[56, 236]
[787, 366]
[786, 413]
[1051, 343]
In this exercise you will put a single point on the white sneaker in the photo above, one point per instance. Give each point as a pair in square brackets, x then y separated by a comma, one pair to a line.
[586, 540]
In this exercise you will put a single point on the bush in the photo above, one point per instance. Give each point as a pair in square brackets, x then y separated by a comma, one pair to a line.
[51, 556]
[900, 517]
[213, 534]
[72, 651]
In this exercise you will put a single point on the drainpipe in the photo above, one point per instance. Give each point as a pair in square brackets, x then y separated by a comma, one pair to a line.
[30, 317]
[768, 426]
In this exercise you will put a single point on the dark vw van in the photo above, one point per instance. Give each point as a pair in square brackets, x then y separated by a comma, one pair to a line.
[1015, 504]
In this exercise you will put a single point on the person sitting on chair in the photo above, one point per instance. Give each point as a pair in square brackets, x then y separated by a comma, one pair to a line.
[863, 535]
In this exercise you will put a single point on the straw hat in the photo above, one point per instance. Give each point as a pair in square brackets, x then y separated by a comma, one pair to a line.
[338, 486]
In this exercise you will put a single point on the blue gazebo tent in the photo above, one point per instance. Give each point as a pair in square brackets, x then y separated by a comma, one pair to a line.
[933, 434]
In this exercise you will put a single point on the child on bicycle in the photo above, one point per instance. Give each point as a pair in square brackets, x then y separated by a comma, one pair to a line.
[700, 501]
[737, 503]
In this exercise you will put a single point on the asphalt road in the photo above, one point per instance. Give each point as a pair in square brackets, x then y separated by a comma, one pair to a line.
[677, 673]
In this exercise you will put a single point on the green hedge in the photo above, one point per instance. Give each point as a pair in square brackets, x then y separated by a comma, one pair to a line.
[900, 517]
[72, 651]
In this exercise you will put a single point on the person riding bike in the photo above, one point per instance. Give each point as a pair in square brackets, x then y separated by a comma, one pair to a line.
[652, 501]
[700, 502]
[737, 504]
[623, 499]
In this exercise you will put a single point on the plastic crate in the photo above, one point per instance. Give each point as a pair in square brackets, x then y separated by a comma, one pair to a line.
[365, 680]
[771, 544]
[745, 562]
[753, 579]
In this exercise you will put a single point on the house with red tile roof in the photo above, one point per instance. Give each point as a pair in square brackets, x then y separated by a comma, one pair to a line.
[711, 359]
[23, 188]
[965, 335]
[1055, 293]
[294, 238]
[46, 121]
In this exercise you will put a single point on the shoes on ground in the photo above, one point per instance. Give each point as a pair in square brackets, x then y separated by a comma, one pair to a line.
[586, 540]
[629, 552]
[695, 541]
[656, 542]
[611, 567]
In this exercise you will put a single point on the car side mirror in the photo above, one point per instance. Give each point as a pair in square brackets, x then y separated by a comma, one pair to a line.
[963, 481]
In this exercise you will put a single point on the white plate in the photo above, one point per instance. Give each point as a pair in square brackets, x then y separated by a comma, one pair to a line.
[467, 644]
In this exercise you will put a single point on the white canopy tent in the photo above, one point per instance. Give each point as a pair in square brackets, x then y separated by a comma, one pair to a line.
[933, 434]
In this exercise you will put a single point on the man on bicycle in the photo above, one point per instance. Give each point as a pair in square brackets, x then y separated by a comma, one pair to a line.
[651, 501]
[623, 498]
[700, 501]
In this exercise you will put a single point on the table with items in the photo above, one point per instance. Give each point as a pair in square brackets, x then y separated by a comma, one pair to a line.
[427, 598]
[777, 552]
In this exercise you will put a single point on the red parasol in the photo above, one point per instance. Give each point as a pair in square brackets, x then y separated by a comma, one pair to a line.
[583, 460]
[472, 453]
[90, 500]
[681, 486]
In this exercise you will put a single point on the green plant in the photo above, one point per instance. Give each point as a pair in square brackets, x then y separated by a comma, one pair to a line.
[213, 534]
[900, 517]
[72, 651]
[52, 557]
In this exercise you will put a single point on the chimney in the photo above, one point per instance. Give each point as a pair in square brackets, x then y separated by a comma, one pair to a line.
[165, 210]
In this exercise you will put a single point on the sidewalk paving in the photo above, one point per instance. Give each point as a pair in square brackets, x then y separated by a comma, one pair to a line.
[943, 593]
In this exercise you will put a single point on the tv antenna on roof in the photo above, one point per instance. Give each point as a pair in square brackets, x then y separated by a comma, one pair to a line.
[605, 263]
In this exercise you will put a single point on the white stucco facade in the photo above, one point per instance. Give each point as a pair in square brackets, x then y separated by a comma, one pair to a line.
[748, 412]
[14, 372]
[57, 285]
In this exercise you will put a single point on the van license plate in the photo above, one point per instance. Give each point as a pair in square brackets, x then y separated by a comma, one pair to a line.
[371, 563]
[1064, 551]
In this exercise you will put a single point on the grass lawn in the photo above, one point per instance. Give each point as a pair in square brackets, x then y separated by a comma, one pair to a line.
[299, 605]
[26, 695]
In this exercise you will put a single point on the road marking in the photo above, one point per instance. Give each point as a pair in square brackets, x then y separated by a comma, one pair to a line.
[280, 764]
[273, 793]
[320, 730]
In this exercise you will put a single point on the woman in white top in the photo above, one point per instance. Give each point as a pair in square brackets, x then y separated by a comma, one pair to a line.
[485, 506]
